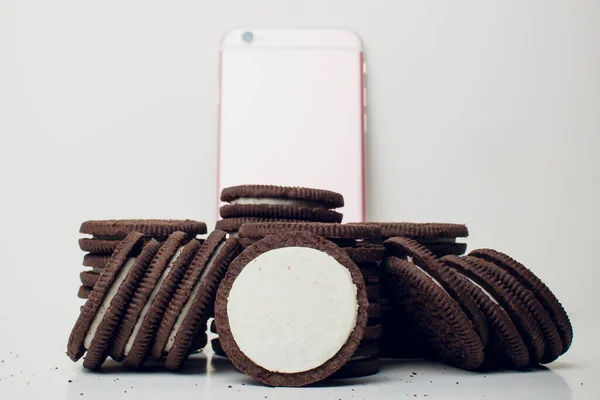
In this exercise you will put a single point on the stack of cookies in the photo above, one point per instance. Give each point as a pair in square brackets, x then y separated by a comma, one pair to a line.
[484, 310]
[358, 242]
[298, 297]
[152, 299]
[268, 203]
[107, 234]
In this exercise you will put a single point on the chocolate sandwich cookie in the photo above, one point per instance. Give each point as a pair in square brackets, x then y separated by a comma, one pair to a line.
[88, 278]
[84, 292]
[101, 246]
[445, 327]
[142, 337]
[149, 227]
[232, 225]
[190, 329]
[269, 334]
[95, 260]
[359, 241]
[167, 254]
[459, 288]
[111, 293]
[506, 347]
[530, 317]
[279, 212]
[439, 238]
[285, 195]
[542, 293]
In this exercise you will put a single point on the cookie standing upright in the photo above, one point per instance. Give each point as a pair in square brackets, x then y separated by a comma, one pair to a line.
[269, 334]
[360, 242]
[107, 234]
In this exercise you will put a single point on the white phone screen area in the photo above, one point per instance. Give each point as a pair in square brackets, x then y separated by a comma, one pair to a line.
[291, 111]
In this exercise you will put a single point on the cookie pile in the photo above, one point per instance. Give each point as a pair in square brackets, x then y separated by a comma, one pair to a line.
[269, 203]
[107, 234]
[484, 310]
[152, 299]
[307, 298]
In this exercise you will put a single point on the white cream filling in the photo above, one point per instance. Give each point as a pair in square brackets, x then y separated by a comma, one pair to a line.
[110, 294]
[146, 308]
[426, 273]
[291, 309]
[97, 270]
[492, 298]
[275, 201]
[190, 300]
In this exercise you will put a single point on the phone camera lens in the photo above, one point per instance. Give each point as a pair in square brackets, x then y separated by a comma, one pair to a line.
[247, 37]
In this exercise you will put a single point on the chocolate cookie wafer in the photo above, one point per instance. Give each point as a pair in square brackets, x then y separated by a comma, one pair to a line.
[308, 340]
[232, 225]
[104, 229]
[446, 328]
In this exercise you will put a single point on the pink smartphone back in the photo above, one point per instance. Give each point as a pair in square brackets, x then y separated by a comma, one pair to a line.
[292, 112]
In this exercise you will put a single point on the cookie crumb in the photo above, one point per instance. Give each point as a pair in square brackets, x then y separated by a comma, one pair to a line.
[414, 373]
[457, 382]
[81, 394]
[229, 386]
[70, 381]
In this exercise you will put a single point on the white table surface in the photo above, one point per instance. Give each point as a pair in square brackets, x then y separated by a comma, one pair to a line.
[36, 367]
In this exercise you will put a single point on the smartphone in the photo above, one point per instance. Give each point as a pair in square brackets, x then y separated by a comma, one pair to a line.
[292, 111]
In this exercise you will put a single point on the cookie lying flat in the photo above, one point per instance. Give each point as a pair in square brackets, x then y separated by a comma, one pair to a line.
[148, 227]
[439, 238]
[543, 294]
[101, 312]
[232, 225]
[284, 195]
[88, 278]
[269, 334]
[84, 292]
[445, 327]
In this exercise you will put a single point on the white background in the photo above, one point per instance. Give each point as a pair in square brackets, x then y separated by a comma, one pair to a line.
[486, 113]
